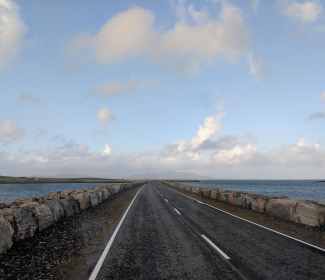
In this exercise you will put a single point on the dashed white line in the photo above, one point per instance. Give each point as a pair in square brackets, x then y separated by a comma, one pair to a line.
[288, 236]
[166, 200]
[215, 247]
[109, 244]
[177, 211]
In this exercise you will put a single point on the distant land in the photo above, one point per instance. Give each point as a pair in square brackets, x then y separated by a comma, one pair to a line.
[171, 175]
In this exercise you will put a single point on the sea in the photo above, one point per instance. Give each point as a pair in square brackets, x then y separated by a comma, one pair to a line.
[11, 192]
[306, 189]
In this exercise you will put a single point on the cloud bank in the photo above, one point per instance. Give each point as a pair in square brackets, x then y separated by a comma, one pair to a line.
[12, 28]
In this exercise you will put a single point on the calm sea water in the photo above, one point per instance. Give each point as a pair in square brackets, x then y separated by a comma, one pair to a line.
[306, 189]
[11, 192]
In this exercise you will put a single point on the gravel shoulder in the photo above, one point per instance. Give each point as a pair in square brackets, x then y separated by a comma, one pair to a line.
[64, 250]
[309, 234]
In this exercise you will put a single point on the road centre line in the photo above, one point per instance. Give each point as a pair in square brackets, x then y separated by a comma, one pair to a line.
[283, 234]
[109, 244]
[177, 211]
[166, 200]
[215, 247]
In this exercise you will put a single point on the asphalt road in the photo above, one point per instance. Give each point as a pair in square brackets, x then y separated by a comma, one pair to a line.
[166, 235]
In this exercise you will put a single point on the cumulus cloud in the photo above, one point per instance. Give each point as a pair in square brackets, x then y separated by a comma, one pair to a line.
[259, 68]
[105, 115]
[212, 124]
[132, 34]
[27, 97]
[117, 88]
[10, 132]
[69, 150]
[177, 147]
[306, 11]
[12, 28]
[107, 151]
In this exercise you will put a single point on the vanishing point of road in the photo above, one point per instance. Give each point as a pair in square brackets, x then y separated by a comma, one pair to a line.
[166, 235]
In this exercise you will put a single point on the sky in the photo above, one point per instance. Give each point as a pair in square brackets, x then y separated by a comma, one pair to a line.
[222, 88]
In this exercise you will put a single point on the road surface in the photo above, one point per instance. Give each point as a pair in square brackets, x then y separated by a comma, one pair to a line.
[166, 235]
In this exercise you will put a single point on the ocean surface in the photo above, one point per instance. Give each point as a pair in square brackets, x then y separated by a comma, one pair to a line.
[11, 192]
[306, 189]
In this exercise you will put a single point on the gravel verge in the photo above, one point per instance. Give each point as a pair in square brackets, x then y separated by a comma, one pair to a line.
[63, 250]
[313, 235]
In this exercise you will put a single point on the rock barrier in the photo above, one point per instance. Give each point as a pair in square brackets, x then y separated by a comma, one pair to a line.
[22, 218]
[302, 211]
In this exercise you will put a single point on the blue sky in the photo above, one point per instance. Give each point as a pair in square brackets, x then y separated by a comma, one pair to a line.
[228, 89]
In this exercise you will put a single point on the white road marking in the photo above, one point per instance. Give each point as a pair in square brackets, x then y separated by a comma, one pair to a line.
[288, 236]
[215, 247]
[166, 200]
[177, 211]
[109, 244]
[161, 195]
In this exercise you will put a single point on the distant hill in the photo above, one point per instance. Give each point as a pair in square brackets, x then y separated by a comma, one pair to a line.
[69, 175]
[171, 175]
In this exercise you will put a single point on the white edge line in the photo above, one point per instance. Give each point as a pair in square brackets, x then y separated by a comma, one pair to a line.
[177, 211]
[109, 244]
[283, 234]
[215, 247]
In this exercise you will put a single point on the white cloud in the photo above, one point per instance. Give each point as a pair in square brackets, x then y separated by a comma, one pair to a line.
[212, 124]
[11, 132]
[254, 5]
[306, 11]
[259, 68]
[12, 28]
[105, 115]
[117, 88]
[68, 150]
[107, 151]
[132, 34]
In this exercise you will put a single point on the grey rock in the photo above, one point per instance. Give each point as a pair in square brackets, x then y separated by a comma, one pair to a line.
[56, 208]
[281, 208]
[67, 207]
[25, 225]
[247, 202]
[44, 216]
[81, 200]
[6, 234]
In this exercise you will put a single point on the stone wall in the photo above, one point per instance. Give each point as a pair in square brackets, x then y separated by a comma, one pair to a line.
[22, 218]
[307, 212]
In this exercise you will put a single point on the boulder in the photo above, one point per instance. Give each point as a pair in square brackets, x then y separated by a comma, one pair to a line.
[258, 204]
[81, 200]
[30, 207]
[224, 197]
[92, 198]
[112, 190]
[247, 202]
[215, 194]
[53, 196]
[206, 192]
[105, 193]
[74, 204]
[4, 205]
[44, 216]
[56, 209]
[67, 207]
[232, 197]
[308, 213]
[7, 213]
[240, 200]
[281, 208]
[6, 234]
[66, 193]
[25, 224]
[22, 201]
